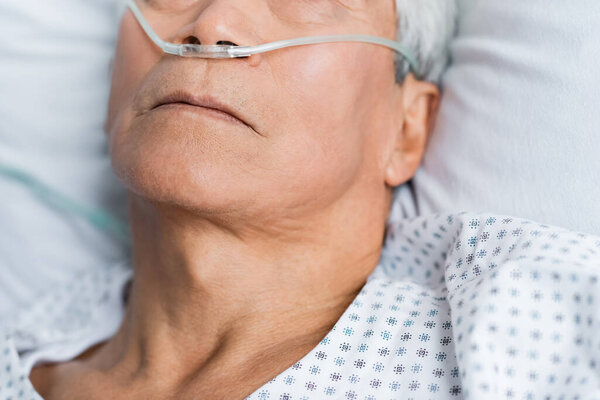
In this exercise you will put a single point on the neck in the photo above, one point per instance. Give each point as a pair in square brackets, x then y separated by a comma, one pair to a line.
[209, 296]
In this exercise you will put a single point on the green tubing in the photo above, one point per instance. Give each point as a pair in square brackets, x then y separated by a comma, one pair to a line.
[97, 218]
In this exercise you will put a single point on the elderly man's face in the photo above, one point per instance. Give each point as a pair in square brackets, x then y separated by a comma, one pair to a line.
[308, 122]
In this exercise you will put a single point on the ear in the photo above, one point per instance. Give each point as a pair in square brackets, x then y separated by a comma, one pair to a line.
[419, 105]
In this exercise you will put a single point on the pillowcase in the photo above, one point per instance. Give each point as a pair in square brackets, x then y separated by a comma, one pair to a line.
[518, 127]
[54, 80]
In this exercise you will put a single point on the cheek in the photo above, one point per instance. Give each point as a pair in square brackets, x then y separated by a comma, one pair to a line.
[134, 57]
[324, 130]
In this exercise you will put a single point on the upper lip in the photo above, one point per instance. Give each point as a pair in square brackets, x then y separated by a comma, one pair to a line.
[205, 101]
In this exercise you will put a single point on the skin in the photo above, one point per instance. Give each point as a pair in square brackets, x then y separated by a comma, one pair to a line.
[249, 239]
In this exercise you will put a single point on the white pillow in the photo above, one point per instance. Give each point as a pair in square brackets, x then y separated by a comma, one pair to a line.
[54, 85]
[519, 126]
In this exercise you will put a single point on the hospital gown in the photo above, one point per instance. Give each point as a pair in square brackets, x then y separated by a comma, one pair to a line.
[461, 306]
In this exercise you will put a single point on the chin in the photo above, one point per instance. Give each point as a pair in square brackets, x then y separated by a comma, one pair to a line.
[195, 163]
[198, 186]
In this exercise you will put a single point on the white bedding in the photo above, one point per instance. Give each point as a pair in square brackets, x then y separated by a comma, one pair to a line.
[517, 132]
[54, 86]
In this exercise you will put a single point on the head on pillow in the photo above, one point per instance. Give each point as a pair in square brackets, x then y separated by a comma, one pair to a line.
[292, 131]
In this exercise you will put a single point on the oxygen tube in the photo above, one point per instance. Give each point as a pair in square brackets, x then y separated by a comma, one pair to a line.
[100, 219]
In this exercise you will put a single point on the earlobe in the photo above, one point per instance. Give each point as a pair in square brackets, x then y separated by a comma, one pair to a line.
[398, 170]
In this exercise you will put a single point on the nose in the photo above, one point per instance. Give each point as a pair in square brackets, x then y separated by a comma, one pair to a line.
[222, 22]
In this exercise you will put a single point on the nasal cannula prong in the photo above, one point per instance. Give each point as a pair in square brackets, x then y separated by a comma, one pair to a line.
[227, 51]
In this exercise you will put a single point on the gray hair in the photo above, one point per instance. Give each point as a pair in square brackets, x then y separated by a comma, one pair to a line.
[426, 27]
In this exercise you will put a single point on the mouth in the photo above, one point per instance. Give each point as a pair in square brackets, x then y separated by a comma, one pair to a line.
[207, 103]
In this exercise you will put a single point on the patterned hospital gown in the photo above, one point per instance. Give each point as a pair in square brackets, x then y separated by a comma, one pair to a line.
[461, 306]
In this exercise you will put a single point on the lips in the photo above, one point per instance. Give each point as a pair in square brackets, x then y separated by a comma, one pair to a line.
[208, 102]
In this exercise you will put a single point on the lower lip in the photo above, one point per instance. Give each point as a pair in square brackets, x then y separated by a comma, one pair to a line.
[205, 110]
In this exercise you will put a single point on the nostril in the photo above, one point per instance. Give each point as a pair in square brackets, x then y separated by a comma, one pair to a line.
[191, 40]
[194, 40]
[226, 43]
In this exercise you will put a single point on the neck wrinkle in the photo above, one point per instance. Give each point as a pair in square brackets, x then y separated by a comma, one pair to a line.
[203, 300]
